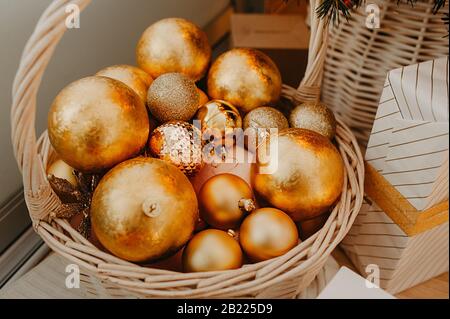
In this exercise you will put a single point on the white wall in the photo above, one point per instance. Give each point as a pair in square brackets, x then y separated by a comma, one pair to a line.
[108, 35]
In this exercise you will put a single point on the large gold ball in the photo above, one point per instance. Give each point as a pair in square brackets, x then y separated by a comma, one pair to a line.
[174, 45]
[267, 233]
[211, 250]
[303, 176]
[247, 78]
[173, 96]
[96, 123]
[314, 116]
[178, 143]
[224, 200]
[144, 209]
[138, 80]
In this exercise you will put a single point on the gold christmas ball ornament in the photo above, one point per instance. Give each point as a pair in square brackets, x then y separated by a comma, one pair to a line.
[173, 96]
[267, 233]
[258, 122]
[224, 200]
[203, 98]
[314, 116]
[178, 143]
[138, 80]
[247, 78]
[218, 118]
[211, 250]
[144, 209]
[61, 169]
[303, 175]
[96, 123]
[174, 45]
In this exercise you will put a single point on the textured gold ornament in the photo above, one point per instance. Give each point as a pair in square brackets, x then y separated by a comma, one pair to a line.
[314, 116]
[267, 233]
[224, 200]
[97, 122]
[211, 250]
[144, 209]
[247, 78]
[258, 121]
[174, 45]
[306, 174]
[138, 80]
[173, 96]
[178, 143]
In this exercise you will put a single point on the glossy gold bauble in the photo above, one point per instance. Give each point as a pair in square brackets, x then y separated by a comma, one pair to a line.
[211, 250]
[203, 98]
[178, 143]
[218, 118]
[267, 233]
[174, 45]
[309, 227]
[314, 116]
[258, 122]
[303, 176]
[173, 96]
[61, 169]
[96, 123]
[224, 200]
[138, 80]
[247, 78]
[144, 209]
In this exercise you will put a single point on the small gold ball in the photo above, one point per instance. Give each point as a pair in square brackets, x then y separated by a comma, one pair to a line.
[314, 116]
[247, 78]
[61, 169]
[211, 250]
[174, 45]
[173, 96]
[224, 200]
[96, 123]
[267, 233]
[138, 80]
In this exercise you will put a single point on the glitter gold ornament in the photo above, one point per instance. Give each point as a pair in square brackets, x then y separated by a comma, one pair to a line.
[211, 250]
[173, 96]
[138, 80]
[218, 118]
[224, 200]
[203, 98]
[97, 122]
[258, 121]
[174, 45]
[314, 116]
[303, 177]
[247, 78]
[178, 143]
[267, 233]
[144, 209]
[61, 169]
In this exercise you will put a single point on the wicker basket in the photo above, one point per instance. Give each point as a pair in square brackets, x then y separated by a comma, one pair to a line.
[105, 275]
[358, 58]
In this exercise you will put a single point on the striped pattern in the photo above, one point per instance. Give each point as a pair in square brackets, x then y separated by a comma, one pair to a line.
[409, 147]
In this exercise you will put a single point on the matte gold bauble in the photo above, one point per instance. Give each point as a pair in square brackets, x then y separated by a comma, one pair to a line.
[61, 169]
[178, 143]
[258, 122]
[218, 118]
[303, 175]
[224, 200]
[138, 80]
[203, 98]
[247, 78]
[211, 250]
[309, 227]
[96, 123]
[314, 116]
[144, 209]
[173, 96]
[267, 233]
[174, 45]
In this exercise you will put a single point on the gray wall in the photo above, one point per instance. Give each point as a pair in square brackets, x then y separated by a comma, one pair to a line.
[108, 35]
